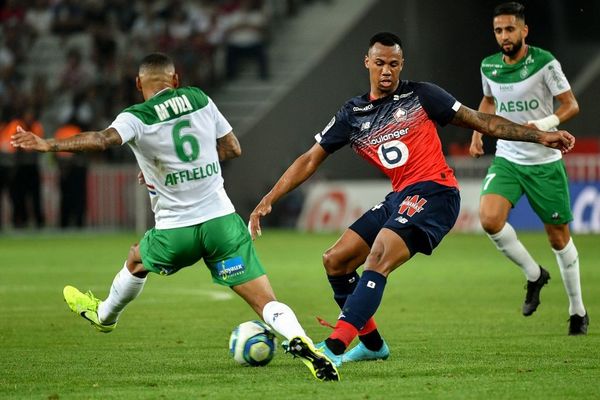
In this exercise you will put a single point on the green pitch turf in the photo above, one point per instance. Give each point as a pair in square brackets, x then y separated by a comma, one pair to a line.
[452, 321]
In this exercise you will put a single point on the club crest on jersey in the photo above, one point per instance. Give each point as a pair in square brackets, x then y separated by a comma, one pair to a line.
[411, 205]
[524, 72]
[400, 114]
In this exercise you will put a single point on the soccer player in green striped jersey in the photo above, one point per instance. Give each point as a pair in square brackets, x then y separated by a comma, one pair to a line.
[521, 83]
[179, 137]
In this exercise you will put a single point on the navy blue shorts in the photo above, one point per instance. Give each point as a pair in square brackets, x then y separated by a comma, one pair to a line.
[421, 214]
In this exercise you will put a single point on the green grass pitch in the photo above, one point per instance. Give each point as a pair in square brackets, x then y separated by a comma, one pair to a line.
[452, 321]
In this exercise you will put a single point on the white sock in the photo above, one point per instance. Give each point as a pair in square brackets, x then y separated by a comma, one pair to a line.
[124, 289]
[507, 242]
[568, 263]
[283, 320]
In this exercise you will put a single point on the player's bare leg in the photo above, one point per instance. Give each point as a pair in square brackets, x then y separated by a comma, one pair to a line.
[388, 252]
[259, 294]
[493, 213]
[341, 262]
[567, 258]
[126, 286]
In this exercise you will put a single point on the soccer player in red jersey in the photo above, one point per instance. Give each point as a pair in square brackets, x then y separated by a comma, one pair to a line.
[393, 127]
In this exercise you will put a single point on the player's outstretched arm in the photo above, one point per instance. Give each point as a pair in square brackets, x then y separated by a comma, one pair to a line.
[84, 141]
[228, 147]
[298, 172]
[501, 128]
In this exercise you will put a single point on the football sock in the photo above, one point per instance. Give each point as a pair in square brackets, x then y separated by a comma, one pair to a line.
[343, 286]
[124, 289]
[282, 319]
[507, 242]
[360, 306]
[568, 263]
[372, 340]
[336, 346]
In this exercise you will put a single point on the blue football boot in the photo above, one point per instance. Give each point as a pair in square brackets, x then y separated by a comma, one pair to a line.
[335, 359]
[361, 353]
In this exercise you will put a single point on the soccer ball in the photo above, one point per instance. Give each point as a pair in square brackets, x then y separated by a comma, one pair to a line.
[252, 343]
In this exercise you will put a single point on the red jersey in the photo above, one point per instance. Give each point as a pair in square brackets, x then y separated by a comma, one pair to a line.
[397, 133]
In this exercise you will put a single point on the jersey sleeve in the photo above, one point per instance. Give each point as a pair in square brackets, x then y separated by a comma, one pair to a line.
[336, 134]
[439, 105]
[222, 125]
[485, 86]
[127, 126]
[555, 79]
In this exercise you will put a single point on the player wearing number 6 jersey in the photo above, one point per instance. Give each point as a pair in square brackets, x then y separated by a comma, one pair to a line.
[520, 83]
[393, 127]
[179, 137]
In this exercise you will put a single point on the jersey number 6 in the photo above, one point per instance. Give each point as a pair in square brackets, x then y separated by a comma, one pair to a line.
[185, 153]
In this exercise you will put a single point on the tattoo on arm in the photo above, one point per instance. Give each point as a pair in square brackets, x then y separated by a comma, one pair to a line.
[495, 126]
[228, 147]
[87, 141]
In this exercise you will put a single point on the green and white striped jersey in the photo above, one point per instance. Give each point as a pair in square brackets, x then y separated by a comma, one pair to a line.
[523, 92]
[174, 138]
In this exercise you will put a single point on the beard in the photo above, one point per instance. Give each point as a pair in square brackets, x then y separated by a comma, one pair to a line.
[514, 50]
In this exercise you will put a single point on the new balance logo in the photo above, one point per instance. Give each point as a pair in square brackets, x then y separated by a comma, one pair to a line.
[411, 205]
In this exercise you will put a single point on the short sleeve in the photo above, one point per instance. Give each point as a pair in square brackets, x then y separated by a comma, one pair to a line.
[439, 105]
[127, 126]
[336, 134]
[222, 125]
[555, 79]
[485, 85]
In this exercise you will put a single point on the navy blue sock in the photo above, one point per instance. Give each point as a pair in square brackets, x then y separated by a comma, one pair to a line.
[362, 304]
[343, 286]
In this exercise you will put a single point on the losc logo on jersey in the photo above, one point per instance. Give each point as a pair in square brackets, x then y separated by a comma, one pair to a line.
[411, 205]
[400, 114]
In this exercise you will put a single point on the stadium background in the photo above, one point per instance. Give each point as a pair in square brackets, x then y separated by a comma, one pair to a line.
[315, 53]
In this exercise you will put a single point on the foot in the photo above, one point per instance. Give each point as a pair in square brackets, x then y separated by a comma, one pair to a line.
[578, 325]
[532, 298]
[319, 364]
[335, 358]
[86, 305]
[361, 353]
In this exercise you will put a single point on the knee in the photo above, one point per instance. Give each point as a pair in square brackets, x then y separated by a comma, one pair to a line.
[334, 265]
[491, 223]
[134, 262]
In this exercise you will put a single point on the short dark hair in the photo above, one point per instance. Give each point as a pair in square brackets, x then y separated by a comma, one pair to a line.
[156, 61]
[511, 8]
[386, 39]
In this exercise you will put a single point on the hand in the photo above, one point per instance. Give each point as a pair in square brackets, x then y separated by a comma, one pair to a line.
[476, 148]
[141, 179]
[561, 140]
[261, 210]
[29, 141]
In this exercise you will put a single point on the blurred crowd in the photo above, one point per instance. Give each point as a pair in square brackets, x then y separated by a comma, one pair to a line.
[69, 65]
